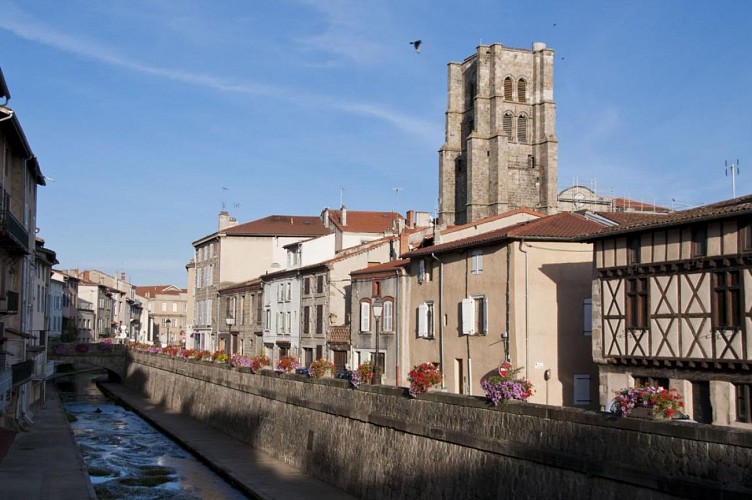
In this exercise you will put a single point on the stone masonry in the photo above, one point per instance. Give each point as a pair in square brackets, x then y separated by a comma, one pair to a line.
[500, 149]
[374, 442]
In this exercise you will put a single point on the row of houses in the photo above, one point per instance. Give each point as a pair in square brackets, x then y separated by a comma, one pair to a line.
[585, 303]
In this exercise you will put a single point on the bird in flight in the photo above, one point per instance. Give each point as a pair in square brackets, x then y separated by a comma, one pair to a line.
[416, 44]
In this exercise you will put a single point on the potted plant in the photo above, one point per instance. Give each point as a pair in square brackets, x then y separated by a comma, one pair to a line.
[240, 361]
[505, 386]
[219, 357]
[363, 375]
[320, 367]
[259, 361]
[287, 364]
[423, 376]
[654, 401]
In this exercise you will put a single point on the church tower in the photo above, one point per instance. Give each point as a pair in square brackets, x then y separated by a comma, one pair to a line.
[500, 150]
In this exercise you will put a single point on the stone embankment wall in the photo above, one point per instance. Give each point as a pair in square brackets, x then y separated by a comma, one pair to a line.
[374, 442]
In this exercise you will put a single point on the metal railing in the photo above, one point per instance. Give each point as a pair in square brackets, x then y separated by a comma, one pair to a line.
[11, 228]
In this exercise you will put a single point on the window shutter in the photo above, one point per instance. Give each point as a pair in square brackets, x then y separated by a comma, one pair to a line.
[485, 316]
[582, 389]
[587, 311]
[388, 306]
[468, 316]
[423, 320]
[365, 317]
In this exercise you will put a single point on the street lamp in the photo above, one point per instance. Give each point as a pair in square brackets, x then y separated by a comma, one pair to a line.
[230, 321]
[377, 307]
[167, 324]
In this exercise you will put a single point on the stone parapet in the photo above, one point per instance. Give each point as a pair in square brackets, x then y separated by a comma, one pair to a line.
[375, 442]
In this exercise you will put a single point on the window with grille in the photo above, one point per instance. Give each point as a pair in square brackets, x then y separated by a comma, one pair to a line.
[522, 90]
[522, 128]
[726, 312]
[508, 88]
[637, 304]
[507, 124]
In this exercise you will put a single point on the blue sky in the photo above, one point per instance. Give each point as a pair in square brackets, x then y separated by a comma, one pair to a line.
[151, 116]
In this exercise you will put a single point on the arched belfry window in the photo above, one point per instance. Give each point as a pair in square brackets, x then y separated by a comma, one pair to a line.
[507, 124]
[522, 128]
[508, 88]
[522, 90]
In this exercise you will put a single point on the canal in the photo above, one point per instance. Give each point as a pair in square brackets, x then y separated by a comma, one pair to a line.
[128, 458]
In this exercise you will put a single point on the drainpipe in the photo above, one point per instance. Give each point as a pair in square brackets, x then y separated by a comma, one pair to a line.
[527, 309]
[441, 320]
[396, 326]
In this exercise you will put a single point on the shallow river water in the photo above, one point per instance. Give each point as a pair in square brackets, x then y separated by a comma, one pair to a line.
[127, 457]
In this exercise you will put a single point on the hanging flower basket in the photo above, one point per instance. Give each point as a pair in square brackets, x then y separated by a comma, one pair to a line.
[287, 364]
[259, 361]
[655, 402]
[320, 367]
[505, 386]
[423, 376]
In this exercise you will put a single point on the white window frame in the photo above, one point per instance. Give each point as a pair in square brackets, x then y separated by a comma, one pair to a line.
[426, 327]
[477, 261]
[388, 316]
[365, 316]
[469, 315]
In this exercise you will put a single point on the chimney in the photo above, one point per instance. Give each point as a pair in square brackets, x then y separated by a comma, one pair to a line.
[410, 218]
[122, 276]
[343, 215]
[226, 221]
[325, 217]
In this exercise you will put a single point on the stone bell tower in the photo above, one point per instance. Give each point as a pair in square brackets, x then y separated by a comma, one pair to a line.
[500, 150]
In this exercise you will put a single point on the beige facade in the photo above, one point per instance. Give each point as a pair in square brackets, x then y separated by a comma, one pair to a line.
[167, 307]
[241, 314]
[671, 306]
[500, 149]
[510, 295]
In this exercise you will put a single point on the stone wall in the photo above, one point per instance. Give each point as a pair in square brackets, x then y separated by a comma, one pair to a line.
[374, 442]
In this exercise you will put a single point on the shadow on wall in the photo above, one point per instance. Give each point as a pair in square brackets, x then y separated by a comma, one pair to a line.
[373, 442]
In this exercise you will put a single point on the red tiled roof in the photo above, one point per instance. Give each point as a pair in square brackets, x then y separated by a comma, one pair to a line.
[381, 268]
[719, 210]
[564, 226]
[153, 290]
[280, 225]
[364, 222]
[637, 206]
[521, 210]
[628, 218]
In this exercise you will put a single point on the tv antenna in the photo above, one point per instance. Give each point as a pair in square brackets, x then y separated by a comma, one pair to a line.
[734, 169]
[342, 196]
[396, 197]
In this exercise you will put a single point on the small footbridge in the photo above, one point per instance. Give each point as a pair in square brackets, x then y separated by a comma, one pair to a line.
[112, 357]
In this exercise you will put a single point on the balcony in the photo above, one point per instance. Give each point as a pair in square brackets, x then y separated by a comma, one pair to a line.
[22, 372]
[13, 235]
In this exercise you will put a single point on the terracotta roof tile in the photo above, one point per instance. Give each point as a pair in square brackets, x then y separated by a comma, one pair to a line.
[564, 226]
[719, 210]
[364, 222]
[154, 290]
[521, 210]
[273, 225]
[381, 268]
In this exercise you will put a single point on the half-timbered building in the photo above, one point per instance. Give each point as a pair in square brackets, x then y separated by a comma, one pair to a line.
[672, 305]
